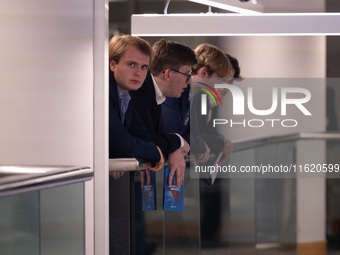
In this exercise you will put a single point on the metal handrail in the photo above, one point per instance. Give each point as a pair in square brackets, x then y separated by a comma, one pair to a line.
[247, 144]
[15, 179]
[124, 164]
[132, 164]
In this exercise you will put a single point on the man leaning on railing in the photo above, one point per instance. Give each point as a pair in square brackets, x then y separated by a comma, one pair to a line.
[129, 61]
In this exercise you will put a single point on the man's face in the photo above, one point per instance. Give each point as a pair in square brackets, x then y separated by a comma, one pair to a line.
[131, 70]
[221, 91]
[179, 81]
[210, 80]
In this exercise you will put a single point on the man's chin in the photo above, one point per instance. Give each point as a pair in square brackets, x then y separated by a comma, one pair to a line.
[174, 95]
[135, 87]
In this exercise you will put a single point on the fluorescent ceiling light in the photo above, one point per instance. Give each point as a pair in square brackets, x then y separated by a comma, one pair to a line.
[266, 24]
[226, 7]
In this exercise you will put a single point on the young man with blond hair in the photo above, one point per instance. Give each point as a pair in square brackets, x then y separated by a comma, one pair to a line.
[129, 58]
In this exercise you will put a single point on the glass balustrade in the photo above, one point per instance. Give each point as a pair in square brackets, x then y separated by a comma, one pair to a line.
[42, 210]
[243, 214]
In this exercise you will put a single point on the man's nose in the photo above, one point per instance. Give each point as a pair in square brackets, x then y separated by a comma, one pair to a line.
[138, 70]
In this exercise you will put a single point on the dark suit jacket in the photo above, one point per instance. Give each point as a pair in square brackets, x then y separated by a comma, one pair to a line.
[176, 119]
[131, 139]
[176, 113]
[208, 133]
[144, 101]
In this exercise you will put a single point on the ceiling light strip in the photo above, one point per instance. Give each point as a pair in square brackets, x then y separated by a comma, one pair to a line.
[235, 24]
[226, 7]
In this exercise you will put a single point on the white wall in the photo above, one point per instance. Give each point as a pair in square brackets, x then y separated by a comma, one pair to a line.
[278, 56]
[311, 194]
[289, 57]
[48, 85]
[46, 66]
[283, 57]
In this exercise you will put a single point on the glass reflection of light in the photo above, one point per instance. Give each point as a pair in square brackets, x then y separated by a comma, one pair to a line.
[24, 170]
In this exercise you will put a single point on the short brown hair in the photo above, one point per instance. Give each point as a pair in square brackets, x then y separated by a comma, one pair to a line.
[235, 65]
[170, 54]
[119, 43]
[214, 60]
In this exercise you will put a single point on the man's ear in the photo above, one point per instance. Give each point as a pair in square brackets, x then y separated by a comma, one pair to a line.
[203, 72]
[167, 75]
[113, 64]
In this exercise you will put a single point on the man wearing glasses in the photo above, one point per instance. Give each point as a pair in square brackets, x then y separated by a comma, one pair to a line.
[169, 75]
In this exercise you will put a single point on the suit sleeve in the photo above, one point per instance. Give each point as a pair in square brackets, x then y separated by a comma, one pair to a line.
[204, 131]
[144, 105]
[172, 118]
[197, 143]
[133, 142]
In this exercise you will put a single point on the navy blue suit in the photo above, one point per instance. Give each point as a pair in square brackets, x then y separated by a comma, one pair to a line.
[126, 140]
[130, 140]
[208, 133]
[176, 118]
[144, 101]
[176, 115]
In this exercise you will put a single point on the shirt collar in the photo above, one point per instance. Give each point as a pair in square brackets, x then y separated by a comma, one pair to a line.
[124, 100]
[126, 95]
[159, 96]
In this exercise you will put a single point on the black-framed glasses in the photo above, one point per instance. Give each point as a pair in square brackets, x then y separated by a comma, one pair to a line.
[187, 75]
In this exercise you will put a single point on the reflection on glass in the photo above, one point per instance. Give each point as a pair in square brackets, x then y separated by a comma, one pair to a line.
[49, 221]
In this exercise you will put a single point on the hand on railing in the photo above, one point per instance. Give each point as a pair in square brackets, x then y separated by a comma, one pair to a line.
[226, 152]
[116, 174]
[155, 166]
[203, 157]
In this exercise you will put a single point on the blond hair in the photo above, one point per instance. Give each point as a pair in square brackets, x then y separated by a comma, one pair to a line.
[119, 43]
[214, 60]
